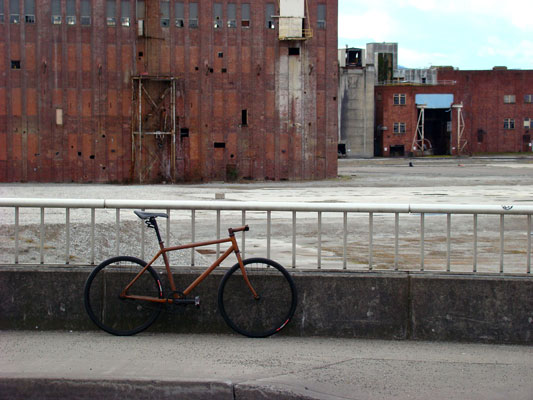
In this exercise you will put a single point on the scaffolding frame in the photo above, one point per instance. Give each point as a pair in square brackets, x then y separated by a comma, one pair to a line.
[461, 140]
[418, 139]
[138, 93]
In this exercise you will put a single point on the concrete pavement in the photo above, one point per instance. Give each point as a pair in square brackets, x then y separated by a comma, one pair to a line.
[83, 365]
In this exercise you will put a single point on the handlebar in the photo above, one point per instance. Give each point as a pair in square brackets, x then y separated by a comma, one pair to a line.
[239, 229]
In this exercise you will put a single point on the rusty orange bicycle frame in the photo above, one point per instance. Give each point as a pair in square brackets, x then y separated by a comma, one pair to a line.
[234, 248]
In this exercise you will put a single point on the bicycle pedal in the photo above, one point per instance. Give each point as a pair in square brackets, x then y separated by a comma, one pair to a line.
[195, 301]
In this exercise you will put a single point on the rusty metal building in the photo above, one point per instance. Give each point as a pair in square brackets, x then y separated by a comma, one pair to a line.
[153, 91]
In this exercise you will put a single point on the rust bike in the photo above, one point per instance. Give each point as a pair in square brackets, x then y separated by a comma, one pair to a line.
[124, 295]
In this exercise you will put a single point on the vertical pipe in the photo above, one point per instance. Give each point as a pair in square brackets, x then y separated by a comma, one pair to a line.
[16, 235]
[422, 240]
[193, 234]
[117, 231]
[93, 223]
[269, 231]
[243, 237]
[474, 267]
[502, 228]
[319, 252]
[218, 233]
[139, 99]
[294, 239]
[529, 244]
[67, 224]
[370, 240]
[396, 241]
[344, 238]
[41, 245]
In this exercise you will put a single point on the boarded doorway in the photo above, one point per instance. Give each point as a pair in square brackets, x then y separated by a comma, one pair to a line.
[154, 129]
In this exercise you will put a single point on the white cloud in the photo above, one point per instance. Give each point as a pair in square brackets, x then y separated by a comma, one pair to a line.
[374, 24]
[417, 59]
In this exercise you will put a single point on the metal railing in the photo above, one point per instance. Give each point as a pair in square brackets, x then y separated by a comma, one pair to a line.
[340, 236]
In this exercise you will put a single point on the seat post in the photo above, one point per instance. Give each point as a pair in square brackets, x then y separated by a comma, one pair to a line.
[153, 221]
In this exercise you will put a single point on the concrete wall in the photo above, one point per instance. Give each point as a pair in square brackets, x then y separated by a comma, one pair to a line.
[340, 304]
[356, 111]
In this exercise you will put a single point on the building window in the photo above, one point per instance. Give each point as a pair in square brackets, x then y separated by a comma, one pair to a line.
[269, 16]
[508, 123]
[111, 13]
[85, 18]
[399, 99]
[179, 14]
[71, 12]
[509, 99]
[232, 15]
[244, 118]
[125, 13]
[218, 19]
[321, 16]
[528, 123]
[14, 12]
[193, 15]
[15, 64]
[165, 13]
[245, 15]
[29, 11]
[140, 10]
[56, 12]
[399, 127]
[1, 11]
[528, 98]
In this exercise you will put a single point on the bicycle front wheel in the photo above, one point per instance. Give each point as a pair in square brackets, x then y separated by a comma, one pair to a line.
[117, 315]
[265, 315]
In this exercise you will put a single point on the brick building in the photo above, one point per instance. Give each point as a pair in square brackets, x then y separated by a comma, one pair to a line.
[464, 112]
[151, 91]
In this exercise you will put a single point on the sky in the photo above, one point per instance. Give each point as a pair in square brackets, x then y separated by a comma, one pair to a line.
[466, 34]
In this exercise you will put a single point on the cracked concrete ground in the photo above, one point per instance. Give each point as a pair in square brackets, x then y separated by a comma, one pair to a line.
[235, 367]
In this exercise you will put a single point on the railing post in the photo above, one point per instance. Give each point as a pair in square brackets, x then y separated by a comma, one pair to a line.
[422, 239]
[396, 239]
[370, 240]
[294, 239]
[193, 233]
[41, 240]
[502, 229]
[319, 247]
[67, 223]
[344, 238]
[474, 268]
[16, 235]
[93, 223]
[117, 231]
[269, 231]
[448, 241]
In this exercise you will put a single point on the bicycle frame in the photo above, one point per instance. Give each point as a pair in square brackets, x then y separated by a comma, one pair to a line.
[234, 248]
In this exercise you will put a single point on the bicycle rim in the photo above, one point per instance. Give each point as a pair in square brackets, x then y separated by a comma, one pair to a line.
[114, 314]
[257, 317]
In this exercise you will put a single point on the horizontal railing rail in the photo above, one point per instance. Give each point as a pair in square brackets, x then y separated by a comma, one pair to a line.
[419, 237]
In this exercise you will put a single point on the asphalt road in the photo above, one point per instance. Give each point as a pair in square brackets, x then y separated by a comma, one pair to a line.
[235, 367]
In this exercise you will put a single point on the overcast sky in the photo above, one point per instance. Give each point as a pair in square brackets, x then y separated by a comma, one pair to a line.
[467, 34]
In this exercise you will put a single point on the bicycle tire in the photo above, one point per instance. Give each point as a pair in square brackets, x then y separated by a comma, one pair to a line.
[275, 307]
[122, 317]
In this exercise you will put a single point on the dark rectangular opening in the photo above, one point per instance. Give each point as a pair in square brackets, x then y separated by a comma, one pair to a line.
[244, 117]
[397, 151]
[184, 132]
[15, 64]
[294, 51]
[220, 145]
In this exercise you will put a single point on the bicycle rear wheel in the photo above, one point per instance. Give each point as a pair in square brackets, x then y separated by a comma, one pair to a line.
[116, 315]
[257, 317]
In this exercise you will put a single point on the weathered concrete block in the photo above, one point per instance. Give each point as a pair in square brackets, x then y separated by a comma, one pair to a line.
[472, 308]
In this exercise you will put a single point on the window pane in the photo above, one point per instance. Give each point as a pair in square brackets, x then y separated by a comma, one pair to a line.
[140, 9]
[321, 16]
[85, 12]
[246, 11]
[217, 15]
[29, 7]
[193, 15]
[111, 9]
[179, 10]
[270, 11]
[14, 7]
[71, 7]
[165, 13]
[125, 12]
